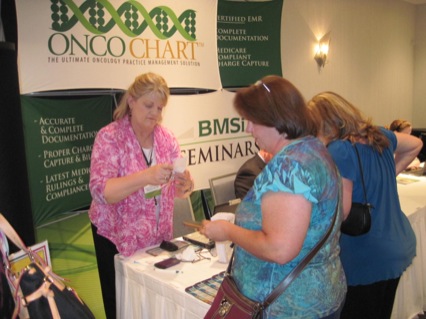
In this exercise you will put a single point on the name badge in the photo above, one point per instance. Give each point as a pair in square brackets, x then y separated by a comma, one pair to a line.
[152, 191]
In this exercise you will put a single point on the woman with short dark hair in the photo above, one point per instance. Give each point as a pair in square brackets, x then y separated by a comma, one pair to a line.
[289, 208]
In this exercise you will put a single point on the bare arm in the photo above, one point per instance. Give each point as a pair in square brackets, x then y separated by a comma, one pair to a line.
[118, 188]
[347, 196]
[408, 147]
[285, 224]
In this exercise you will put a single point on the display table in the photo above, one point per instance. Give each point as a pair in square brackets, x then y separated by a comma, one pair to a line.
[145, 292]
[411, 294]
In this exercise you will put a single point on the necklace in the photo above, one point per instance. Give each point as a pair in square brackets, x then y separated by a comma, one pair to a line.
[148, 162]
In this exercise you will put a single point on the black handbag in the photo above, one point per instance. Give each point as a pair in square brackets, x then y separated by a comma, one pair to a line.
[38, 292]
[358, 221]
[230, 303]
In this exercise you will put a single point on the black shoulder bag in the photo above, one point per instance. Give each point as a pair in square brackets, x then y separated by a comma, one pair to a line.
[39, 293]
[358, 221]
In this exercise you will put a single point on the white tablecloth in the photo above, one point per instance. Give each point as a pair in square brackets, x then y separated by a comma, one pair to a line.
[411, 294]
[145, 292]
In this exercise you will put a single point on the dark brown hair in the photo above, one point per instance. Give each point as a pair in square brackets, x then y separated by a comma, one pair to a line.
[275, 102]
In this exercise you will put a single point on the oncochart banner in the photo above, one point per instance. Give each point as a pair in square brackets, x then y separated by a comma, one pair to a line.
[248, 40]
[59, 136]
[211, 134]
[78, 44]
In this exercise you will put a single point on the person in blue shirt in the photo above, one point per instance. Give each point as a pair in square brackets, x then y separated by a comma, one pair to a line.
[373, 262]
[288, 210]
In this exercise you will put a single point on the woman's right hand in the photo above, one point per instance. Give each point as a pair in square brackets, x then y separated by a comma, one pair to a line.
[159, 174]
[215, 230]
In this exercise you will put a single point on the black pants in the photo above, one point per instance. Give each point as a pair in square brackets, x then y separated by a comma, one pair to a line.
[373, 301]
[105, 252]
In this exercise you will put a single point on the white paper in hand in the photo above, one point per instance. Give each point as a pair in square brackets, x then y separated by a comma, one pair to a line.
[223, 248]
[179, 165]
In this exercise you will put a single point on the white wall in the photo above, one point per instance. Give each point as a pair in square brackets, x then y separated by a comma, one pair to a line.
[371, 57]
[419, 112]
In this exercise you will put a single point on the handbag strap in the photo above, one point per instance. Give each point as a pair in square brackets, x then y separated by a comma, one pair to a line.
[298, 269]
[362, 174]
[10, 233]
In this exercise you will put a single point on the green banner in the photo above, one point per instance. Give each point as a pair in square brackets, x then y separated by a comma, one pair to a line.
[248, 41]
[59, 135]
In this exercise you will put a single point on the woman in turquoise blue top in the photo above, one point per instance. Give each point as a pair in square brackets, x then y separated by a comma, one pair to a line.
[289, 208]
[373, 262]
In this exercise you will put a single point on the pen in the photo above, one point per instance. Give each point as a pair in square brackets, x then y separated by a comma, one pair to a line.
[193, 224]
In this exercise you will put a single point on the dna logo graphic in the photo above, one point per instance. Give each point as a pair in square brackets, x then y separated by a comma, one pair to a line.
[99, 17]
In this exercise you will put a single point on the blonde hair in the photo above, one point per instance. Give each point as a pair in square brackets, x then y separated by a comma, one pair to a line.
[336, 118]
[143, 84]
[399, 125]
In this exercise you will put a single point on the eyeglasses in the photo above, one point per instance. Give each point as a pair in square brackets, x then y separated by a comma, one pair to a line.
[268, 94]
[200, 255]
[264, 85]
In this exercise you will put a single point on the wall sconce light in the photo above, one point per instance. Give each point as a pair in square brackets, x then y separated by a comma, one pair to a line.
[321, 51]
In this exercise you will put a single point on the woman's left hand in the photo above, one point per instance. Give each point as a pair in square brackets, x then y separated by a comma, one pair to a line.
[183, 182]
